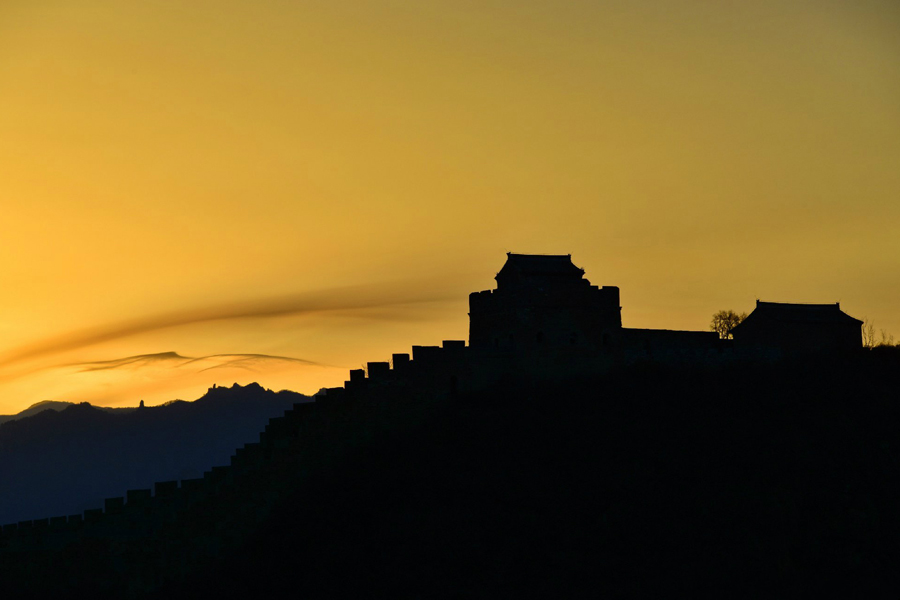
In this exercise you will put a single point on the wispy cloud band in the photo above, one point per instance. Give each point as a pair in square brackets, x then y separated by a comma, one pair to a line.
[177, 361]
[351, 298]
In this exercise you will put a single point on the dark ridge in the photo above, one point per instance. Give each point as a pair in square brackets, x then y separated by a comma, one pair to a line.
[55, 405]
[744, 480]
[756, 482]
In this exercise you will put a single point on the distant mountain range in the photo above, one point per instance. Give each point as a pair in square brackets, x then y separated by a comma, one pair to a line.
[56, 405]
[58, 458]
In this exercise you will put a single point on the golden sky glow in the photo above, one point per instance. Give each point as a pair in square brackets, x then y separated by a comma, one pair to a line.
[174, 158]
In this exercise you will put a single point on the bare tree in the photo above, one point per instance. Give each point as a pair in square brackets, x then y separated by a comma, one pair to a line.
[724, 321]
[868, 334]
[886, 338]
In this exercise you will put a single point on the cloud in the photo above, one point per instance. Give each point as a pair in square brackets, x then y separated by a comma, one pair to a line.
[392, 301]
[177, 361]
[140, 360]
[249, 362]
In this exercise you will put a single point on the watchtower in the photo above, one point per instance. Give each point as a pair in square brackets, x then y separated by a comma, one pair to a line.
[543, 301]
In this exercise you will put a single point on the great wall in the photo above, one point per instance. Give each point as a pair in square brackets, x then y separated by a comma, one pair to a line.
[544, 323]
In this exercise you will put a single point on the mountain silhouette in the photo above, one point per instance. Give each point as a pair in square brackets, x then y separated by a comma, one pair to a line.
[69, 457]
[55, 405]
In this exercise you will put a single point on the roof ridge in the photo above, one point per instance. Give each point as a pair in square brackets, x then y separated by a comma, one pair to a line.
[803, 304]
[540, 255]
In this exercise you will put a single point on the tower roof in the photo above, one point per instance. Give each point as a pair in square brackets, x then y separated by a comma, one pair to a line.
[799, 313]
[540, 265]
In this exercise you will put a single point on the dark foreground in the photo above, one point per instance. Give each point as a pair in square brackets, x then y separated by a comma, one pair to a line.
[749, 481]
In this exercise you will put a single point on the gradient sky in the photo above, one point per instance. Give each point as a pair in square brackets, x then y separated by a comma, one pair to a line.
[327, 180]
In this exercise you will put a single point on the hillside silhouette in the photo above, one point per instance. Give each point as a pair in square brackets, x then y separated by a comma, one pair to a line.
[557, 454]
[60, 462]
[769, 481]
[757, 480]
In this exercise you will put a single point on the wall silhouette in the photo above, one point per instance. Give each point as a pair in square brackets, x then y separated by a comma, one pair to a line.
[561, 329]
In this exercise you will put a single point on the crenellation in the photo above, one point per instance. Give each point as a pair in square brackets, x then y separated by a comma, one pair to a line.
[378, 370]
[58, 522]
[247, 457]
[113, 506]
[165, 490]
[425, 355]
[93, 515]
[216, 475]
[275, 424]
[400, 362]
[357, 380]
[280, 428]
[330, 395]
[192, 487]
[141, 497]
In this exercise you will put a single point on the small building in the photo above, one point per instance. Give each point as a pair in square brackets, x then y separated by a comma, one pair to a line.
[798, 329]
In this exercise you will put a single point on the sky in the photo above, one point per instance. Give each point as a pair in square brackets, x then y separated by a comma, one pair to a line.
[198, 193]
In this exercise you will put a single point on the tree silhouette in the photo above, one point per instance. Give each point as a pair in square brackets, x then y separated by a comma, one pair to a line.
[868, 334]
[724, 321]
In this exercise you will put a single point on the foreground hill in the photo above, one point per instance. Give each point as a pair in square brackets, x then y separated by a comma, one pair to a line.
[64, 460]
[756, 482]
[750, 481]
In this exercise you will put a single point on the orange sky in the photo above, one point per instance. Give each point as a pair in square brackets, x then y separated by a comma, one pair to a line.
[172, 171]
